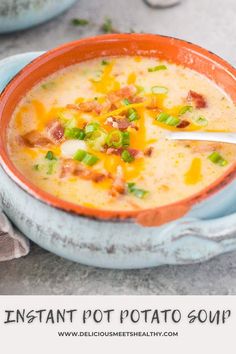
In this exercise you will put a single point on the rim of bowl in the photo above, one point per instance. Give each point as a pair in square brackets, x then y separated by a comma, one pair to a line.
[183, 205]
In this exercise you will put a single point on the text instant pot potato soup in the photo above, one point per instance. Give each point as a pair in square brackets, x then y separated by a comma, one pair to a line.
[95, 133]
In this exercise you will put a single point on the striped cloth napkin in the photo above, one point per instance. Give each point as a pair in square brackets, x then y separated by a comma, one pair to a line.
[12, 243]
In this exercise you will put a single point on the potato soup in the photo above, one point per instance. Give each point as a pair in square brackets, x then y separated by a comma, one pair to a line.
[94, 133]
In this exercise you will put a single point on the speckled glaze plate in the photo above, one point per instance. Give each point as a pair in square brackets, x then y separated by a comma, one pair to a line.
[206, 230]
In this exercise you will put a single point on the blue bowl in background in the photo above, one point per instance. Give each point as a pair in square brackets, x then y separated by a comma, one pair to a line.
[22, 14]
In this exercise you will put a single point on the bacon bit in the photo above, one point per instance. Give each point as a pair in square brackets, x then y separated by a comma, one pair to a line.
[114, 151]
[115, 106]
[135, 153]
[91, 106]
[148, 151]
[118, 151]
[112, 122]
[136, 99]
[87, 174]
[183, 124]
[122, 124]
[198, 99]
[67, 168]
[55, 131]
[118, 184]
[124, 92]
[118, 122]
[70, 167]
[34, 139]
[134, 126]
[73, 106]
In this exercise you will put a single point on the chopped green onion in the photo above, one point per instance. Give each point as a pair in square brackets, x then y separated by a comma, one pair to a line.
[132, 115]
[162, 117]
[126, 102]
[36, 167]
[104, 62]
[50, 156]
[90, 159]
[185, 109]
[91, 127]
[201, 121]
[172, 121]
[107, 26]
[52, 160]
[167, 119]
[126, 156]
[48, 85]
[131, 185]
[216, 158]
[114, 139]
[139, 193]
[85, 157]
[139, 88]
[97, 139]
[117, 139]
[159, 90]
[51, 167]
[71, 123]
[79, 22]
[79, 155]
[74, 133]
[157, 68]
[125, 139]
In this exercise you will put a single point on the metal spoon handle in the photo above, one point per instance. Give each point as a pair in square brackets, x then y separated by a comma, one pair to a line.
[204, 136]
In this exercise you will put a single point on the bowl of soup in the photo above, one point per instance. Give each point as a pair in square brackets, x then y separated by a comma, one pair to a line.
[88, 171]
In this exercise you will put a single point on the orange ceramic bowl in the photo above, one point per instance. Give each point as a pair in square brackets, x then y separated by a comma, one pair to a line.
[164, 48]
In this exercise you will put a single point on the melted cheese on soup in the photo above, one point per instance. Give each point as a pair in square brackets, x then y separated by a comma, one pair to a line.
[95, 133]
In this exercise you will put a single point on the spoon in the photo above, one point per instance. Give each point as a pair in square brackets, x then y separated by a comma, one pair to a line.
[203, 136]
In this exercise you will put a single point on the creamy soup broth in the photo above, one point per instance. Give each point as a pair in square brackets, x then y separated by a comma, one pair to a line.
[95, 133]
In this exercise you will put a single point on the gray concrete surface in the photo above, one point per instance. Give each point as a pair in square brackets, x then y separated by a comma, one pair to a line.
[208, 23]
